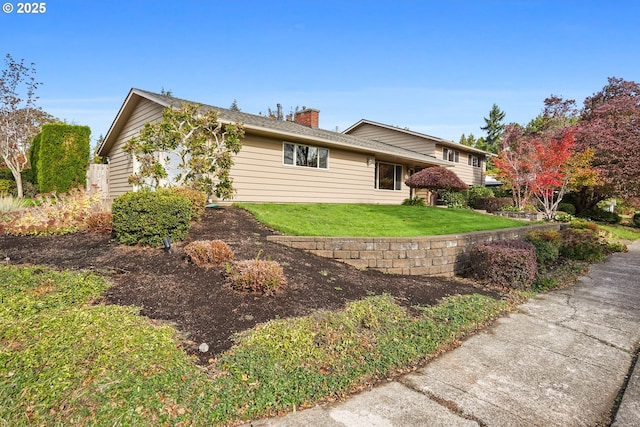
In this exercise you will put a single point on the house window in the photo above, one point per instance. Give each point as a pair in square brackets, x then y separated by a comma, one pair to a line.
[388, 176]
[450, 155]
[474, 161]
[305, 156]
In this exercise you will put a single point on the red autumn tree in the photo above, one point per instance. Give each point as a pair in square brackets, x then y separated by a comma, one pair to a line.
[513, 164]
[610, 125]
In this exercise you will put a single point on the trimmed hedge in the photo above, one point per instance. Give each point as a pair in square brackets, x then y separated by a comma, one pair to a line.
[600, 215]
[567, 208]
[197, 198]
[61, 154]
[146, 217]
[507, 263]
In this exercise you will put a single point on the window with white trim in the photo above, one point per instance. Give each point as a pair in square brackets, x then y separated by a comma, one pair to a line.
[450, 155]
[474, 161]
[388, 176]
[305, 156]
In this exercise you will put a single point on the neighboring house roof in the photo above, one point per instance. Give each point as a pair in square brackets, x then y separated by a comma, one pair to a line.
[265, 125]
[435, 139]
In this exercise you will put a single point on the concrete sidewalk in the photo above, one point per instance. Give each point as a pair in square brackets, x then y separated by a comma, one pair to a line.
[561, 361]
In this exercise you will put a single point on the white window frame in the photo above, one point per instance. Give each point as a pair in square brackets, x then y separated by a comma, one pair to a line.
[450, 155]
[474, 161]
[294, 158]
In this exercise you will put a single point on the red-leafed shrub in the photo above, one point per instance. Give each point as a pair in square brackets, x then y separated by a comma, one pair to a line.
[100, 222]
[436, 178]
[208, 253]
[256, 276]
[508, 263]
[493, 204]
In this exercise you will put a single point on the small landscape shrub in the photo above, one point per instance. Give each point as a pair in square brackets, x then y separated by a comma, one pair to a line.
[494, 204]
[636, 219]
[600, 215]
[613, 247]
[208, 253]
[563, 216]
[453, 199]
[510, 208]
[581, 245]
[547, 245]
[100, 222]
[567, 207]
[197, 198]
[414, 201]
[7, 186]
[508, 263]
[476, 192]
[146, 217]
[583, 224]
[256, 276]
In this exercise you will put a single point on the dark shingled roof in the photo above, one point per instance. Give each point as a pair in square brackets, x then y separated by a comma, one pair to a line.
[253, 122]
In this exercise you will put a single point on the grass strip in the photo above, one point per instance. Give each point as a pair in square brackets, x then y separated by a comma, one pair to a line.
[65, 362]
[362, 220]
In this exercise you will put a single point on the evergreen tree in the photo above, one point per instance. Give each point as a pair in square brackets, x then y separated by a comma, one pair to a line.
[494, 128]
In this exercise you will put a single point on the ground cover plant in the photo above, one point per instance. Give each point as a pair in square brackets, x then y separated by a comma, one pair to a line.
[64, 360]
[372, 220]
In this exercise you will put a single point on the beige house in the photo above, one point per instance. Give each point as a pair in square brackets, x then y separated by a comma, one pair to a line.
[284, 161]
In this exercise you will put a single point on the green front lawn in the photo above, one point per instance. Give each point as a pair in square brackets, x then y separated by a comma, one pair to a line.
[64, 361]
[360, 220]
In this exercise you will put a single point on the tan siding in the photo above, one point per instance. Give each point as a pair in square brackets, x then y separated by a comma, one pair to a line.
[260, 176]
[399, 139]
[471, 175]
[120, 164]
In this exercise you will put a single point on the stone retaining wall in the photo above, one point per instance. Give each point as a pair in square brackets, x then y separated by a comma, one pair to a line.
[430, 255]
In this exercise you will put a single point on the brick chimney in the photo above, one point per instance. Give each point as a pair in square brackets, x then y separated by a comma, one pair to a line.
[307, 117]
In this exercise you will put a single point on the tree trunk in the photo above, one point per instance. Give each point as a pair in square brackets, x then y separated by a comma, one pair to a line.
[17, 177]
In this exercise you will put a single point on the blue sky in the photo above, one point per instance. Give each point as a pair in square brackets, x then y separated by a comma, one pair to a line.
[435, 67]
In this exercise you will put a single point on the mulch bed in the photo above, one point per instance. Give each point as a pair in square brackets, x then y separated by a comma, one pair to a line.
[198, 301]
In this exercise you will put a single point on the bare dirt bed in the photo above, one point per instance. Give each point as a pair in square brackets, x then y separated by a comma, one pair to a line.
[198, 301]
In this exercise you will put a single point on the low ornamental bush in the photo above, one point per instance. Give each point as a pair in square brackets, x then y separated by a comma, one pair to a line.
[256, 276]
[600, 215]
[567, 208]
[636, 219]
[453, 199]
[475, 193]
[146, 217]
[493, 204]
[208, 253]
[197, 198]
[581, 245]
[547, 245]
[414, 201]
[7, 187]
[100, 222]
[507, 263]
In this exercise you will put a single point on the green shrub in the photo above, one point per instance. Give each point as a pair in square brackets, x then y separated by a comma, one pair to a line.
[476, 192]
[508, 263]
[146, 217]
[453, 199]
[493, 204]
[600, 215]
[583, 224]
[636, 219]
[256, 276]
[581, 245]
[414, 201]
[208, 253]
[563, 216]
[7, 186]
[547, 245]
[567, 208]
[197, 198]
